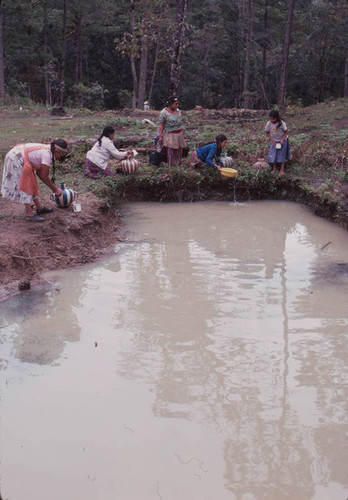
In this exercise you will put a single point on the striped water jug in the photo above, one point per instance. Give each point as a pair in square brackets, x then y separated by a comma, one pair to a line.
[129, 166]
[65, 199]
[226, 161]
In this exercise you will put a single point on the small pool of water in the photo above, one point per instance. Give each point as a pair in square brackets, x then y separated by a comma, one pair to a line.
[205, 359]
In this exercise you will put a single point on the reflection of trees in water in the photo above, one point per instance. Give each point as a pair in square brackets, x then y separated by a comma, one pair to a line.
[40, 322]
[227, 358]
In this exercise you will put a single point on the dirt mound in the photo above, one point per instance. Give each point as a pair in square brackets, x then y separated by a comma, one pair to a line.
[65, 239]
[230, 114]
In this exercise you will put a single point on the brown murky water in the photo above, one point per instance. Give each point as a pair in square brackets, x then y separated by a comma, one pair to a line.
[206, 360]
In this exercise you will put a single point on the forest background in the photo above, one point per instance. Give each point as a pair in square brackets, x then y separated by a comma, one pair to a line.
[216, 53]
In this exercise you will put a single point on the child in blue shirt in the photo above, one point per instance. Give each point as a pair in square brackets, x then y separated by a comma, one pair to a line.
[209, 152]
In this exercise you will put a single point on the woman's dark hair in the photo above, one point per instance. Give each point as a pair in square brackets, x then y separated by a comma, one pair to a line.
[220, 138]
[274, 113]
[172, 99]
[61, 144]
[108, 130]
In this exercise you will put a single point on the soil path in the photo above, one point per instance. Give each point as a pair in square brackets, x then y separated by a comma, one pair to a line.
[340, 124]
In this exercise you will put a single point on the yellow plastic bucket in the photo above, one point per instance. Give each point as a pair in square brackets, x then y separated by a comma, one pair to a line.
[228, 172]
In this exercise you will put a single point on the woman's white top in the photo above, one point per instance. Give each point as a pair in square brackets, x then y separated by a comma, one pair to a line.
[101, 154]
[39, 156]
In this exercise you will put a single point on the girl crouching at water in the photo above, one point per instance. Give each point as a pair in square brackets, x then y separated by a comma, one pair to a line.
[277, 132]
[209, 153]
[104, 149]
[22, 165]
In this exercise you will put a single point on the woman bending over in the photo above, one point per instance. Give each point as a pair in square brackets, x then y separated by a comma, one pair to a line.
[104, 149]
[22, 165]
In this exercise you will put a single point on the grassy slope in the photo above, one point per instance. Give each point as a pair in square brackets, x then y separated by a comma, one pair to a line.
[317, 175]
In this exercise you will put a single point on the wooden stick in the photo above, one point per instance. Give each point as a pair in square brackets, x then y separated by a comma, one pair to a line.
[327, 244]
[29, 258]
[70, 117]
[49, 237]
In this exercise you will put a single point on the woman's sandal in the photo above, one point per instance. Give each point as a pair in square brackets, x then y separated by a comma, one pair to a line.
[35, 218]
[44, 210]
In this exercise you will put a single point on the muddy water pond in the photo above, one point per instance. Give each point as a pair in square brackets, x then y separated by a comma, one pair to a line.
[205, 359]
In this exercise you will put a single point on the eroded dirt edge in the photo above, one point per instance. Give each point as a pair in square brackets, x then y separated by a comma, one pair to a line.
[66, 239]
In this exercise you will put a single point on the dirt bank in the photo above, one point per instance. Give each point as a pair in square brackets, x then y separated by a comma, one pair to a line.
[66, 239]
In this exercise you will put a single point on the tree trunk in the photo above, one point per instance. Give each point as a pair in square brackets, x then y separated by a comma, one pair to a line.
[2, 72]
[240, 6]
[246, 89]
[78, 48]
[178, 41]
[265, 49]
[132, 58]
[284, 70]
[30, 82]
[143, 71]
[205, 82]
[62, 63]
[346, 77]
[45, 51]
[30, 70]
[154, 68]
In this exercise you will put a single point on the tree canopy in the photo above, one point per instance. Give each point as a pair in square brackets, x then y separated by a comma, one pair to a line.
[214, 53]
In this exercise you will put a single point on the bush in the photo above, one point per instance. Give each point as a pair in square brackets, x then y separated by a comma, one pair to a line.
[91, 97]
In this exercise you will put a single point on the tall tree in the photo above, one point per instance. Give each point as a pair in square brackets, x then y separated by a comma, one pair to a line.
[143, 70]
[46, 56]
[346, 77]
[132, 57]
[178, 42]
[265, 46]
[78, 47]
[2, 71]
[63, 57]
[285, 59]
[153, 73]
[246, 88]
[146, 24]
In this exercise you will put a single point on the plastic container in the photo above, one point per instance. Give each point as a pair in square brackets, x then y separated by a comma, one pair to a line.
[76, 206]
[129, 166]
[66, 198]
[226, 161]
[228, 172]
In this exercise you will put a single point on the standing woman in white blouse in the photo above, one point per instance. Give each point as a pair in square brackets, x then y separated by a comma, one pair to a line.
[104, 149]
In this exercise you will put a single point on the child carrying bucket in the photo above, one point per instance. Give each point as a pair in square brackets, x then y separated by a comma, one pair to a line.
[277, 132]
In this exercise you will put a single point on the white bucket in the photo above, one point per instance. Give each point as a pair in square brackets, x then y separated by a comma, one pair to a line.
[76, 206]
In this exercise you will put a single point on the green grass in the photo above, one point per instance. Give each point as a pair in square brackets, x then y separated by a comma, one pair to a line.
[318, 139]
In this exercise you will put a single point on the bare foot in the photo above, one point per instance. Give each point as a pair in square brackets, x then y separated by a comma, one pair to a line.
[281, 172]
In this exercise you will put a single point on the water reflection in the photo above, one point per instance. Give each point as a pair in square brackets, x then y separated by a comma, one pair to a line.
[233, 333]
[38, 325]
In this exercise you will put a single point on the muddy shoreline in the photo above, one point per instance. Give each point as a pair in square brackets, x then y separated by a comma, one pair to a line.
[67, 239]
